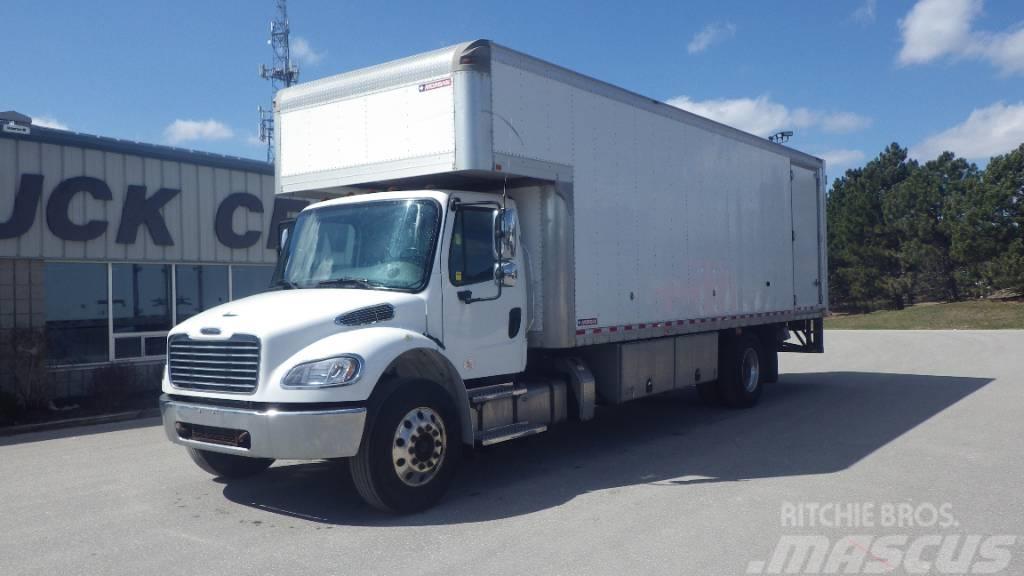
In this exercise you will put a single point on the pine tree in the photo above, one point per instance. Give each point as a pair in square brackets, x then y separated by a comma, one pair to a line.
[922, 212]
[865, 266]
[1004, 185]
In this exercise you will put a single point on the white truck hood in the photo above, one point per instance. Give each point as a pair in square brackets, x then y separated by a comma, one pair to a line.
[290, 325]
[303, 314]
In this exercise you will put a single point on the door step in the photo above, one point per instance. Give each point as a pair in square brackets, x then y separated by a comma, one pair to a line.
[486, 394]
[509, 432]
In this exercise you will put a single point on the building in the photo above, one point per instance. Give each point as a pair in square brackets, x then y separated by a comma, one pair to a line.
[105, 244]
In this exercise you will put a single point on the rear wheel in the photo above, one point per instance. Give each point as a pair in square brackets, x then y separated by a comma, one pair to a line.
[228, 466]
[410, 449]
[740, 370]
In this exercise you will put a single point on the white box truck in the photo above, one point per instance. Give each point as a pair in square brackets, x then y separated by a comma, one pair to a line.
[502, 245]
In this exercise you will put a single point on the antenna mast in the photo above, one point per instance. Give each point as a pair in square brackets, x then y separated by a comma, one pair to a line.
[282, 73]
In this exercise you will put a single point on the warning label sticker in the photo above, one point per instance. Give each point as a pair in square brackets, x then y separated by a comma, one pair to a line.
[435, 84]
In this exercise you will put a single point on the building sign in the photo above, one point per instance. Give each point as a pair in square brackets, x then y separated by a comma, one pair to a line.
[141, 210]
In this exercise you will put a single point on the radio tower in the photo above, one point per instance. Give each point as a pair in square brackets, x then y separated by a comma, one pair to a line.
[281, 74]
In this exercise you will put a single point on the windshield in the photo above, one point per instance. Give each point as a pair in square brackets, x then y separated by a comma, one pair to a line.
[386, 244]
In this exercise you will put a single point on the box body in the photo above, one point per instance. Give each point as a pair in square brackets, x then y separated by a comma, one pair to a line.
[640, 219]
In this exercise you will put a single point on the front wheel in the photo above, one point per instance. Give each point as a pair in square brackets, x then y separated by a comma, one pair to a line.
[228, 466]
[410, 449]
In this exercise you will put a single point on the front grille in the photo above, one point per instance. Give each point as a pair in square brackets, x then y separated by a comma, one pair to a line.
[214, 365]
[368, 315]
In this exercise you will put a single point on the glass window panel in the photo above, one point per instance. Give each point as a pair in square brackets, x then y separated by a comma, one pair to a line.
[200, 288]
[128, 347]
[471, 256]
[76, 313]
[141, 297]
[156, 346]
[249, 280]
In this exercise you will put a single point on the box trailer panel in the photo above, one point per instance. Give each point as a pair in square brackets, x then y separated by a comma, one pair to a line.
[405, 123]
[806, 238]
[671, 220]
[387, 121]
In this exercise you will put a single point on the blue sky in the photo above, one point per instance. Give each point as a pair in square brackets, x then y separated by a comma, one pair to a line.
[848, 76]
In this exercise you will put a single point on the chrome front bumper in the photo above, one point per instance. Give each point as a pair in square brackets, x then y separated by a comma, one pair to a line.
[285, 435]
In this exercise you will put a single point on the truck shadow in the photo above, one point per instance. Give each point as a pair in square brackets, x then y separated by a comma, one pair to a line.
[810, 423]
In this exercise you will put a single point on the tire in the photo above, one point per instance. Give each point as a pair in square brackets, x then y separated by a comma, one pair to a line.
[228, 466]
[410, 449]
[740, 365]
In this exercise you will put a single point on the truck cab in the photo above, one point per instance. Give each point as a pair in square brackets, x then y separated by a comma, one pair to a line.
[373, 293]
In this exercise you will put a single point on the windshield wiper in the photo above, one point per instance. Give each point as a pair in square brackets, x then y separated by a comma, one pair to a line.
[285, 285]
[350, 282]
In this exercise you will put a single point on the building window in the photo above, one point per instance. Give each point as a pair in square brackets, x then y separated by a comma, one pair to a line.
[76, 313]
[199, 288]
[141, 297]
[249, 280]
[141, 307]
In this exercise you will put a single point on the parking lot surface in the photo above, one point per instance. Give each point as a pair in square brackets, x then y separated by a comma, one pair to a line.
[919, 424]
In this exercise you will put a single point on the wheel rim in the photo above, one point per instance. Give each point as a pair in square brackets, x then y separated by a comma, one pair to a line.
[751, 369]
[419, 445]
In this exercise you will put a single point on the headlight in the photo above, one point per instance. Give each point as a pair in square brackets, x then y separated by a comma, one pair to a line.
[338, 371]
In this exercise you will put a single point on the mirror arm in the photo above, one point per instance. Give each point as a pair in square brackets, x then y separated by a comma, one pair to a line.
[467, 296]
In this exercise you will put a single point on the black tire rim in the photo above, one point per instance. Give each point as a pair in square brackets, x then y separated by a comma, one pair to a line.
[750, 369]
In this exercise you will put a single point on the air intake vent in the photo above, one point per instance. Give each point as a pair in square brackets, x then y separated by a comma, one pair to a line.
[368, 315]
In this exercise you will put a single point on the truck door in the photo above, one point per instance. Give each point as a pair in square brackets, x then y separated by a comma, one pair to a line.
[806, 237]
[484, 324]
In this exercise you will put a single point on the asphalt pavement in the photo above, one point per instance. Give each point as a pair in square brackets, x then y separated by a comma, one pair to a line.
[911, 436]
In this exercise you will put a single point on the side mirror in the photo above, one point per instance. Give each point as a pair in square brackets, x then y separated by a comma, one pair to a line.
[506, 273]
[506, 228]
[284, 231]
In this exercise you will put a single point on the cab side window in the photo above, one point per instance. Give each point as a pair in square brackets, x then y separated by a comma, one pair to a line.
[471, 257]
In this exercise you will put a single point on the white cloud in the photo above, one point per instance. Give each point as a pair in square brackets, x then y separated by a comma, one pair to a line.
[1004, 50]
[711, 34]
[844, 122]
[866, 12]
[935, 29]
[304, 53]
[997, 129]
[841, 159]
[48, 122]
[763, 116]
[187, 130]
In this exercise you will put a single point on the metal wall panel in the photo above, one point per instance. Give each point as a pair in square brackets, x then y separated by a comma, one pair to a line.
[189, 216]
[115, 173]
